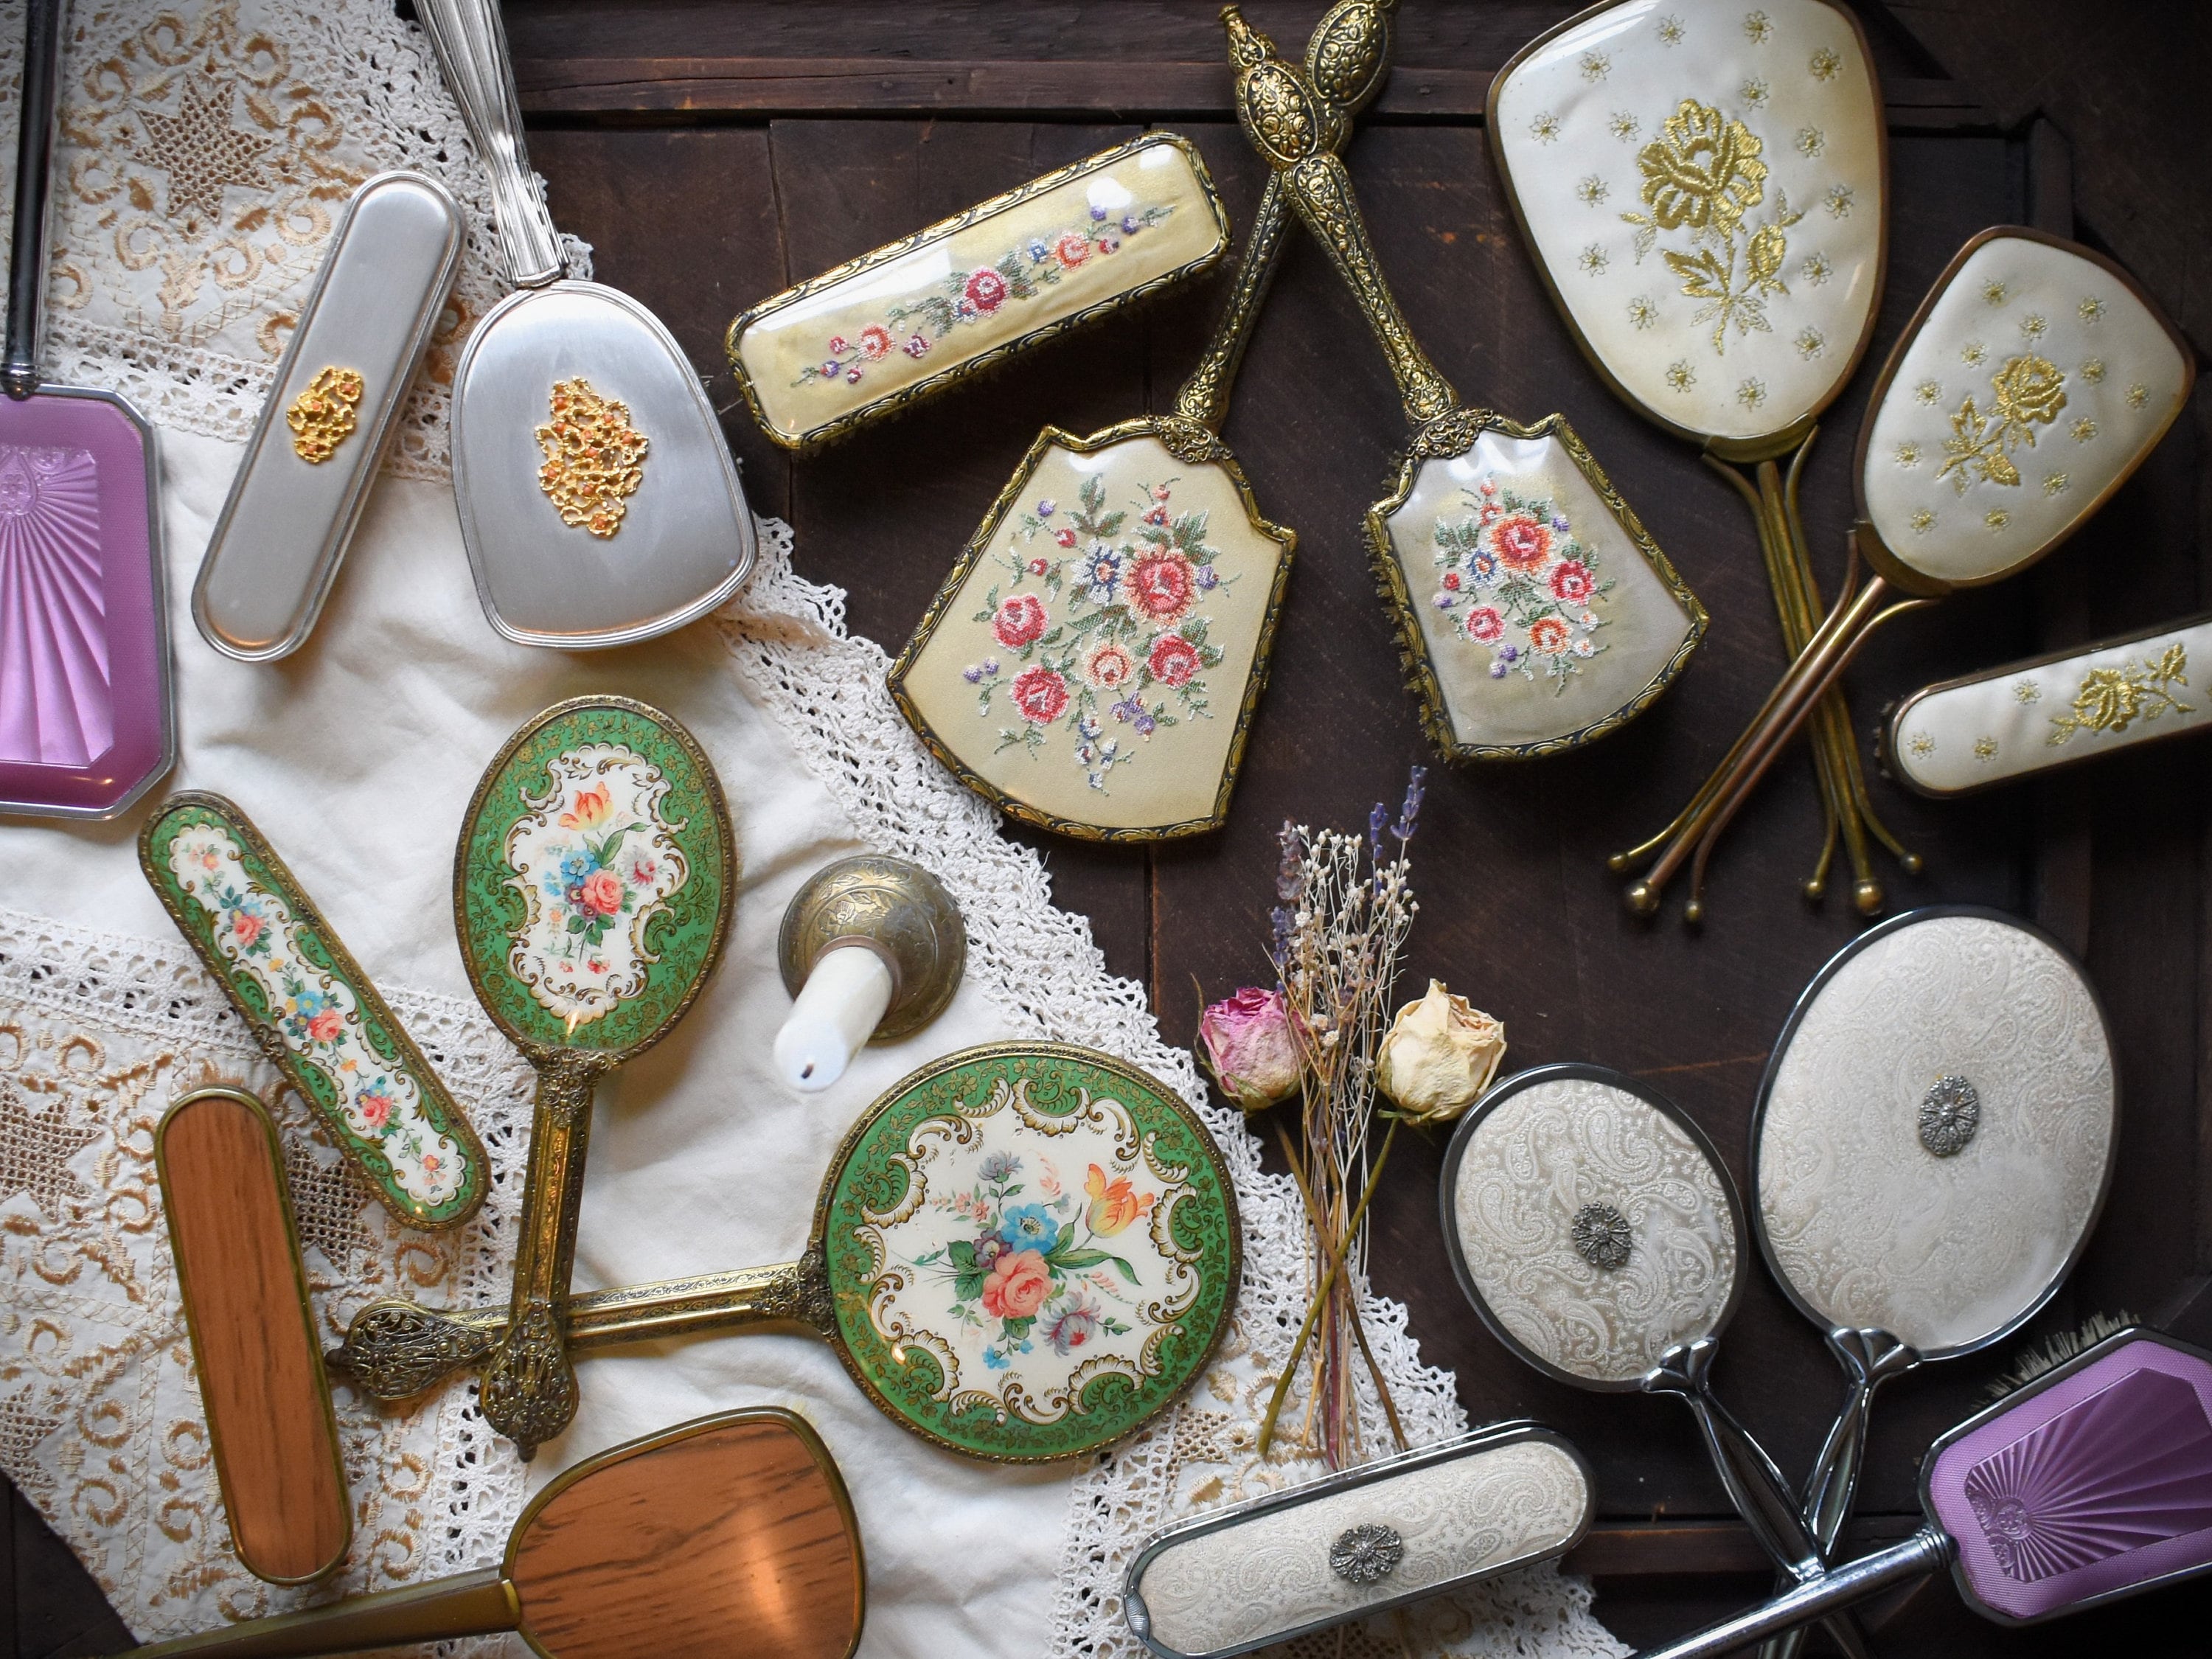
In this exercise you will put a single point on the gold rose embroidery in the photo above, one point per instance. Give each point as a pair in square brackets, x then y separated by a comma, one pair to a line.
[2113, 699]
[594, 458]
[2029, 393]
[1703, 174]
[321, 417]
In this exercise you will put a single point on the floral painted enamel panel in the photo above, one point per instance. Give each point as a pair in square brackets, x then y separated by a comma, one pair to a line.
[314, 1012]
[1543, 613]
[1703, 183]
[1033, 1251]
[596, 873]
[1091, 663]
[872, 335]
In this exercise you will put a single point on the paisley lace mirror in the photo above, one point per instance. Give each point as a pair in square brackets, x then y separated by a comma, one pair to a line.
[1932, 1148]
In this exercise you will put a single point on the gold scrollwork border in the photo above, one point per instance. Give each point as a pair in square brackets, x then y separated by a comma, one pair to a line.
[818, 1231]
[1765, 446]
[1412, 647]
[930, 385]
[1183, 439]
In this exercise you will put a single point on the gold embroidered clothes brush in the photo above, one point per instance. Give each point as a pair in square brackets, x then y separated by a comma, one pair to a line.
[1065, 669]
[1534, 612]
[2027, 717]
[2032, 382]
[1705, 191]
[728, 1537]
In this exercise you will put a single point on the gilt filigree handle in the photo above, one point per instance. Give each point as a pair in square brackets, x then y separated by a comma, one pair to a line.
[1347, 61]
[394, 1350]
[529, 1387]
[1291, 127]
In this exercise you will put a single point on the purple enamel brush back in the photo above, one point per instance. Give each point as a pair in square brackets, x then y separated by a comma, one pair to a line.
[2093, 1487]
[83, 691]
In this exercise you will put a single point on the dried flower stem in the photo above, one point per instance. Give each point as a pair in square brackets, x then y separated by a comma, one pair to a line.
[1330, 1261]
[1330, 1281]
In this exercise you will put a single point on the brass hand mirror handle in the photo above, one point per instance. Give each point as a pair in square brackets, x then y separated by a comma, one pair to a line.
[1347, 61]
[1292, 129]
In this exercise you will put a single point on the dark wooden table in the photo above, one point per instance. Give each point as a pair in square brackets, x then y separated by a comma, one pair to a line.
[713, 154]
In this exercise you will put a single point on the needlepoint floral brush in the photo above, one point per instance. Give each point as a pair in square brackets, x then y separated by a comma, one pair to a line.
[1066, 670]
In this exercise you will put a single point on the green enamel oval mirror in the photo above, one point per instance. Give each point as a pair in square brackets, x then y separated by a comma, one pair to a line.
[591, 892]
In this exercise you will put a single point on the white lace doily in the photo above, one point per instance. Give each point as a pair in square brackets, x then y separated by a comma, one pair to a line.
[99, 1420]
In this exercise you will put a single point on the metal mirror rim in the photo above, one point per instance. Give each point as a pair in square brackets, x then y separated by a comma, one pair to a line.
[652, 628]
[1448, 1187]
[818, 1231]
[1490, 1437]
[802, 1431]
[725, 840]
[1805, 998]
[1764, 446]
[1900, 573]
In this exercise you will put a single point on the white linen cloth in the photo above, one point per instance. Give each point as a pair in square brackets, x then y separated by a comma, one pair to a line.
[357, 758]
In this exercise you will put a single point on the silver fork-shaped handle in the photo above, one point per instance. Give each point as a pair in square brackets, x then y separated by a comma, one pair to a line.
[472, 46]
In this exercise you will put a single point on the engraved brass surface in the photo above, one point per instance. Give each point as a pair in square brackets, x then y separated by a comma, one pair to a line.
[899, 907]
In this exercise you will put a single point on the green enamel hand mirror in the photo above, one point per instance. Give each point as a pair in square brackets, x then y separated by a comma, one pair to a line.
[592, 891]
[1021, 1252]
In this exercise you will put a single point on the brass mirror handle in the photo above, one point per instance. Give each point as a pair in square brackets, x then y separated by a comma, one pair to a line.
[479, 1603]
[394, 1350]
[529, 1391]
[1290, 126]
[1347, 61]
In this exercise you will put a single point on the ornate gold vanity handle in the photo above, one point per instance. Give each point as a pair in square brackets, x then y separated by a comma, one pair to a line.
[394, 1350]
[1347, 61]
[1291, 127]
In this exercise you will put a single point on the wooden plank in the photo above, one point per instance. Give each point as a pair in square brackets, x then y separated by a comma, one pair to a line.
[1033, 90]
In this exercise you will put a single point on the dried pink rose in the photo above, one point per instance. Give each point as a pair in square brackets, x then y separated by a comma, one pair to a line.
[1250, 1047]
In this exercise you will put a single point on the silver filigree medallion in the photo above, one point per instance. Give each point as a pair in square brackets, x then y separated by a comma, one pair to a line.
[1602, 1237]
[1366, 1554]
[1950, 1112]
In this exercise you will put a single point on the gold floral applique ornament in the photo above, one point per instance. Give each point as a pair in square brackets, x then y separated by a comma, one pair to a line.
[2113, 699]
[322, 416]
[2029, 392]
[594, 458]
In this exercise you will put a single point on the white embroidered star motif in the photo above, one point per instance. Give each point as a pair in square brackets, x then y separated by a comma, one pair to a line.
[196, 146]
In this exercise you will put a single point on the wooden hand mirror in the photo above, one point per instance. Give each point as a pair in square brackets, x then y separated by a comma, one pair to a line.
[730, 1536]
[592, 890]
[1021, 1252]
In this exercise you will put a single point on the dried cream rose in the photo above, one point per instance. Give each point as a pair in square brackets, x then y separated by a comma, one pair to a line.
[1251, 1048]
[1438, 1056]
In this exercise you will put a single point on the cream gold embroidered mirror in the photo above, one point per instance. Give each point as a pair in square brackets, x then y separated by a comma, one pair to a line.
[1077, 668]
[1703, 186]
[2032, 381]
[1534, 611]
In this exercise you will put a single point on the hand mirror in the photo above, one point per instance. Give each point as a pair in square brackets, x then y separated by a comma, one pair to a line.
[1021, 1252]
[2091, 1483]
[1534, 612]
[1594, 1230]
[1065, 671]
[2032, 382]
[592, 891]
[1705, 191]
[730, 1537]
[1932, 1145]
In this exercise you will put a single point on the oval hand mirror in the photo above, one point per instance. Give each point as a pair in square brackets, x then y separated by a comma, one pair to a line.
[592, 891]
[730, 1536]
[2032, 381]
[1021, 1252]
[1932, 1145]
[1594, 1230]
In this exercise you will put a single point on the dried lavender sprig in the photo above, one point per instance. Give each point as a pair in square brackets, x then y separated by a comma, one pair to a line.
[1409, 815]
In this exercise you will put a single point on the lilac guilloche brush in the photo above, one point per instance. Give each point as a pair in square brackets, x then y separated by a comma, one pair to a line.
[86, 721]
[2093, 1482]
